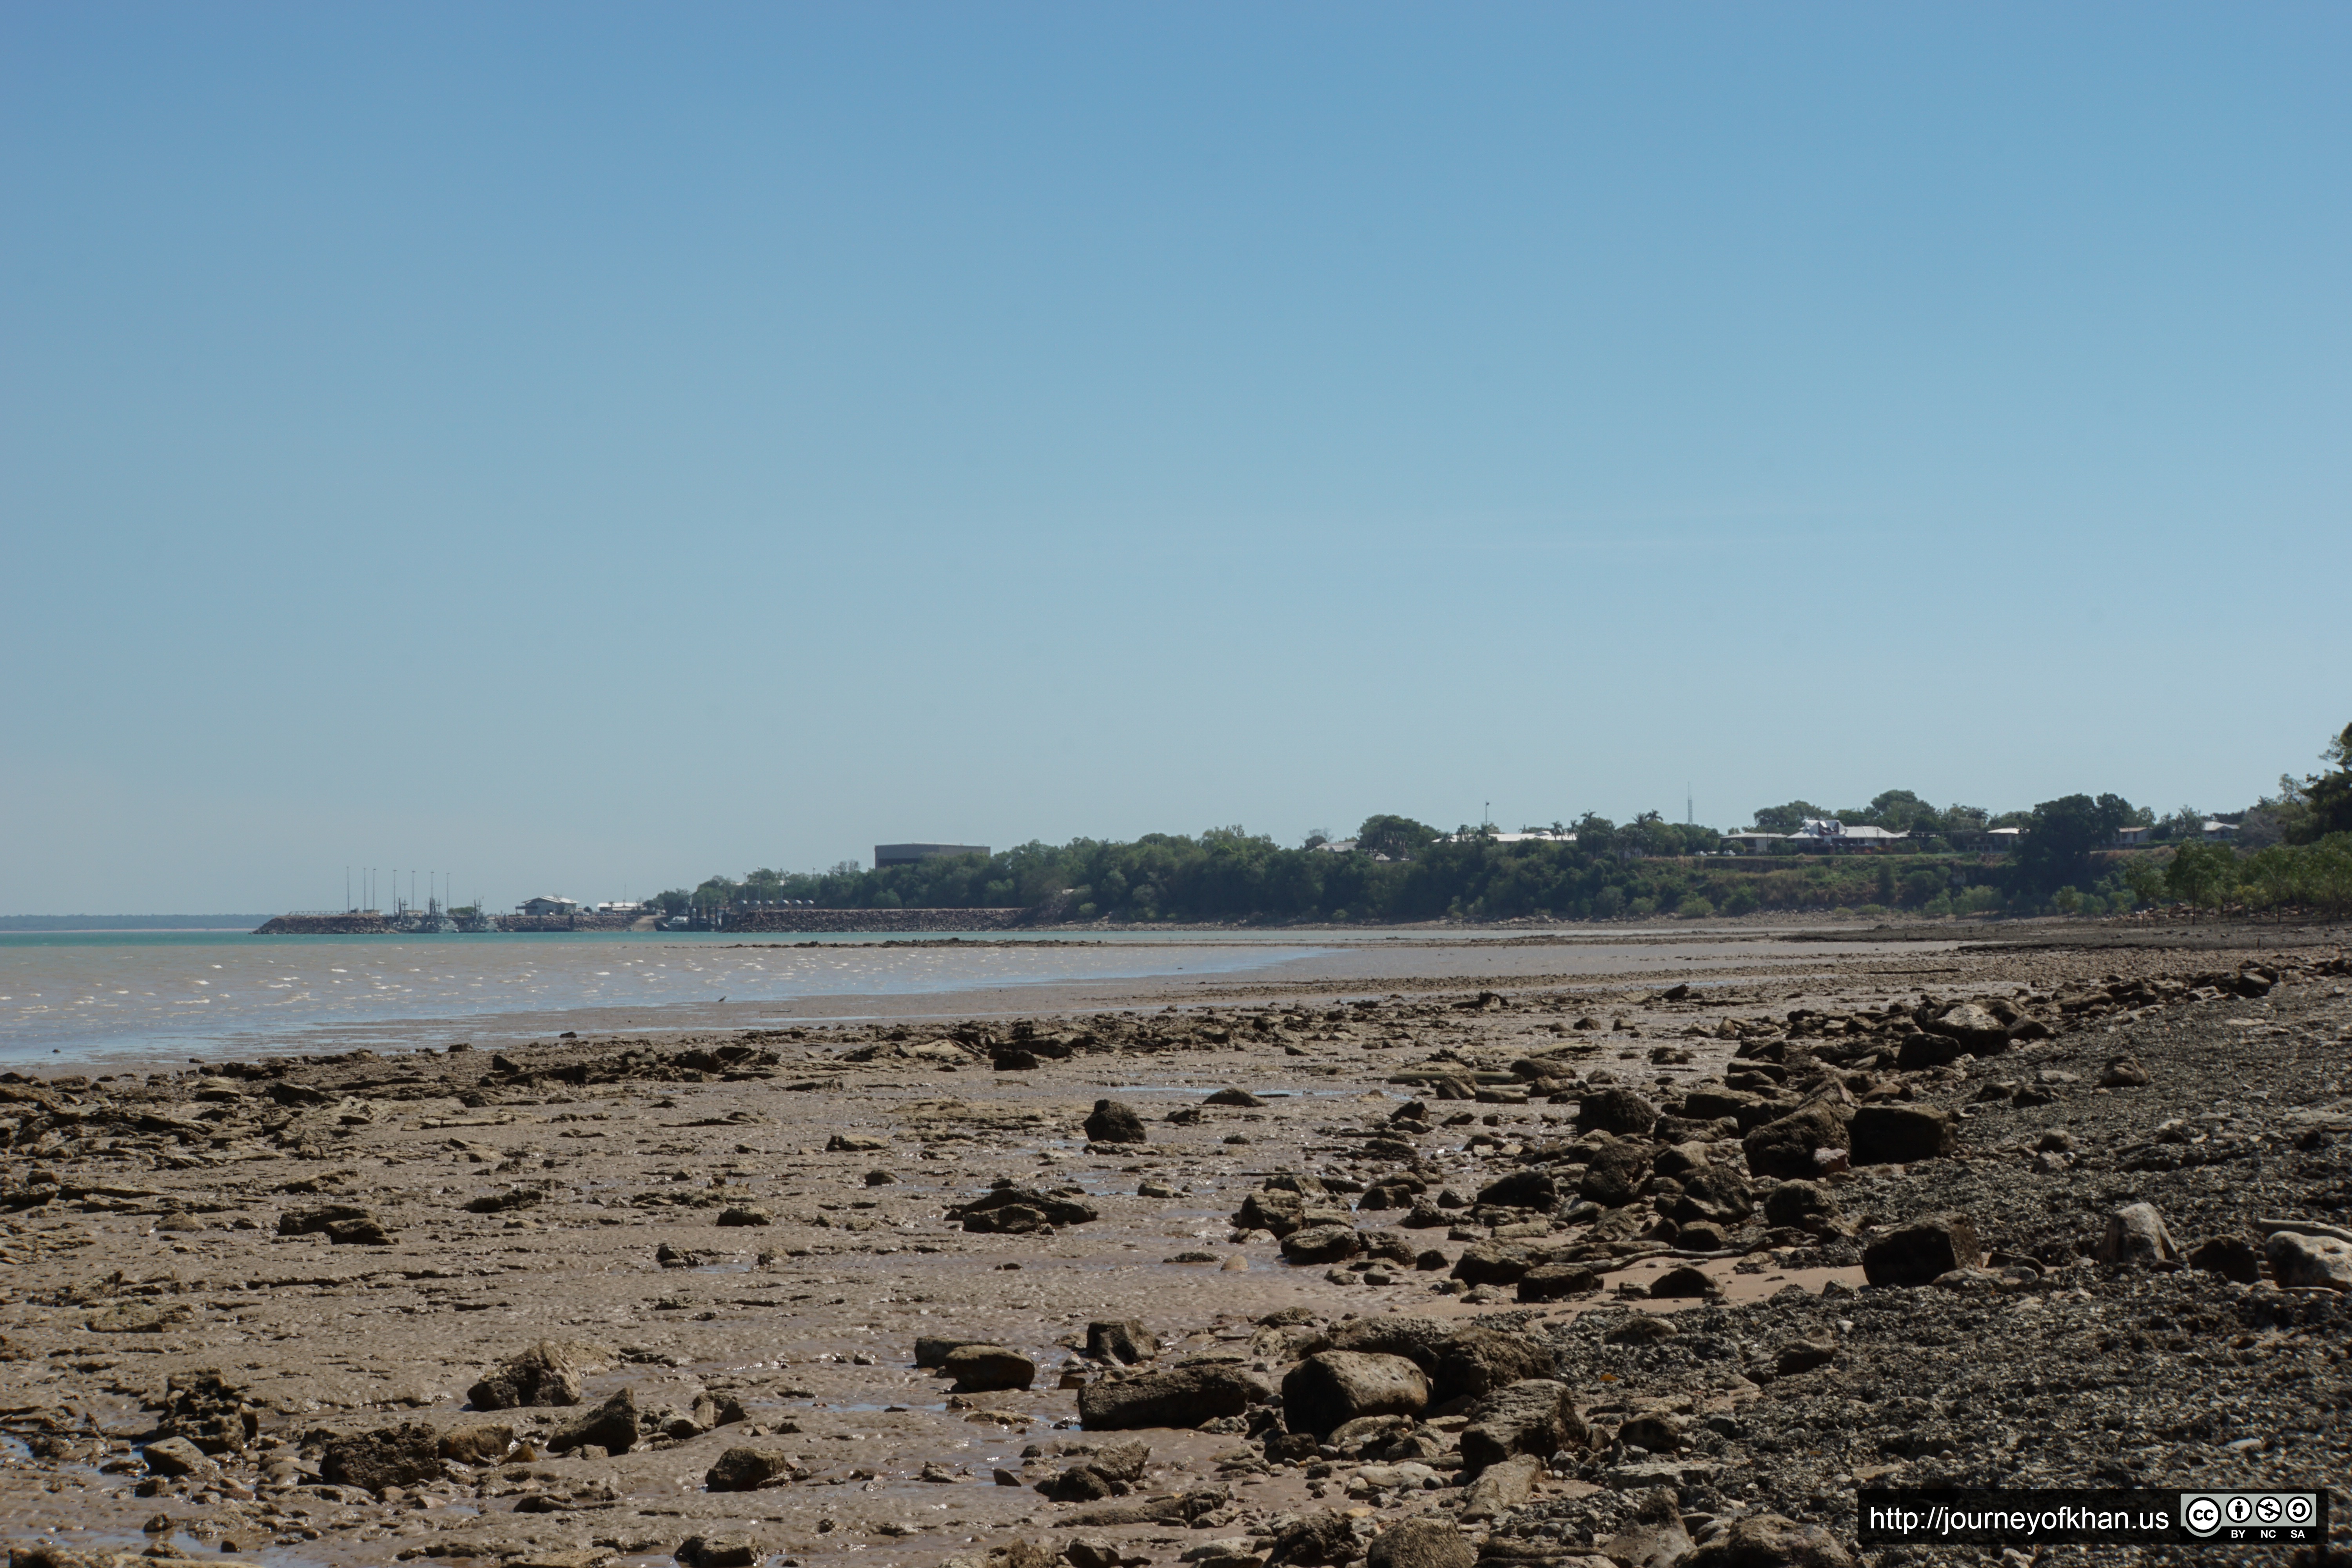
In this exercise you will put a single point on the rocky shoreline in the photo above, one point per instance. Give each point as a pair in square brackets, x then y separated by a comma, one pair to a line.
[1649, 1276]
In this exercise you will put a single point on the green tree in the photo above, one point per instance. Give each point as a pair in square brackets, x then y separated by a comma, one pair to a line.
[2060, 838]
[1398, 837]
[2328, 797]
[2203, 876]
[1787, 818]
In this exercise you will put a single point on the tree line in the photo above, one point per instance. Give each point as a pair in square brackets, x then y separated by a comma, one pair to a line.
[1402, 869]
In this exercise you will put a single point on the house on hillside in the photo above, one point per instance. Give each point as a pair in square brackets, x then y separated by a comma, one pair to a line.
[2001, 840]
[1829, 833]
[2129, 838]
[2218, 829]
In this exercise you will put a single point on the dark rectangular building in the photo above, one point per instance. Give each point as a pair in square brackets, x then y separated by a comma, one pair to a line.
[907, 854]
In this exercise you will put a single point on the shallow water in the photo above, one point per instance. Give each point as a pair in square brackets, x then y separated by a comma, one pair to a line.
[85, 996]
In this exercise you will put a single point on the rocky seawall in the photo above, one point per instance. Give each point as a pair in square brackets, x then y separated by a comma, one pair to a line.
[325, 925]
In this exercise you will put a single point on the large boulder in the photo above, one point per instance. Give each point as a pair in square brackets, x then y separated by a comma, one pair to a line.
[612, 1426]
[1114, 1123]
[1783, 1150]
[2230, 1256]
[746, 1470]
[1558, 1281]
[1535, 1416]
[1459, 1360]
[2298, 1261]
[1521, 1190]
[1714, 1193]
[482, 1443]
[1616, 1109]
[1975, 1030]
[1802, 1205]
[1124, 1340]
[1654, 1537]
[1919, 1252]
[1899, 1134]
[1051, 1209]
[1923, 1050]
[1280, 1212]
[1501, 1488]
[1495, 1262]
[1615, 1176]
[545, 1374]
[399, 1456]
[1169, 1397]
[208, 1412]
[2135, 1234]
[1322, 1244]
[177, 1457]
[1314, 1541]
[1422, 1542]
[342, 1223]
[1331, 1388]
[1769, 1540]
[1476, 1361]
[988, 1369]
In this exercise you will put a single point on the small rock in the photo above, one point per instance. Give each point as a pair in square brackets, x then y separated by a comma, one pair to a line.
[1916, 1253]
[1535, 1416]
[1124, 1340]
[2124, 1072]
[1785, 1149]
[718, 1551]
[1114, 1123]
[612, 1425]
[1169, 1397]
[746, 1217]
[483, 1442]
[1899, 1134]
[2135, 1234]
[544, 1374]
[177, 1457]
[2230, 1256]
[399, 1456]
[1618, 1111]
[989, 1369]
[745, 1469]
[1322, 1244]
[1555, 1281]
[2300, 1261]
[1769, 1540]
[1502, 1487]
[1683, 1283]
[1333, 1387]
[1802, 1355]
[1421, 1542]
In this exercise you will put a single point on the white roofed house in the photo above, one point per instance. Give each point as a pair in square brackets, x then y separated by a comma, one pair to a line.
[1828, 833]
[548, 904]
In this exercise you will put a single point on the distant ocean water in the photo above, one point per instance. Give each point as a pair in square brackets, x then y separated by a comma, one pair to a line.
[83, 998]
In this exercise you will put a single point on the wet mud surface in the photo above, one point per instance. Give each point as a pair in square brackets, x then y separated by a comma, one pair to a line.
[251, 1310]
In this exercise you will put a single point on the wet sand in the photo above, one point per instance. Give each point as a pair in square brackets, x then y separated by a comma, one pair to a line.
[143, 1244]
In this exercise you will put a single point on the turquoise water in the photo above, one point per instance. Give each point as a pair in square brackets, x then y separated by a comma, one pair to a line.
[71, 996]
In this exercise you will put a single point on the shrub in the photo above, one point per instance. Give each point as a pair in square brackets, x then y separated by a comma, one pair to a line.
[1741, 901]
[1695, 908]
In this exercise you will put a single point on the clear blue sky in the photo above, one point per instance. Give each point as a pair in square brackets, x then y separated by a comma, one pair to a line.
[594, 446]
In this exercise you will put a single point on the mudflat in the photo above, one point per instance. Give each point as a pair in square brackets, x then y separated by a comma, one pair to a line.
[1545, 1245]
